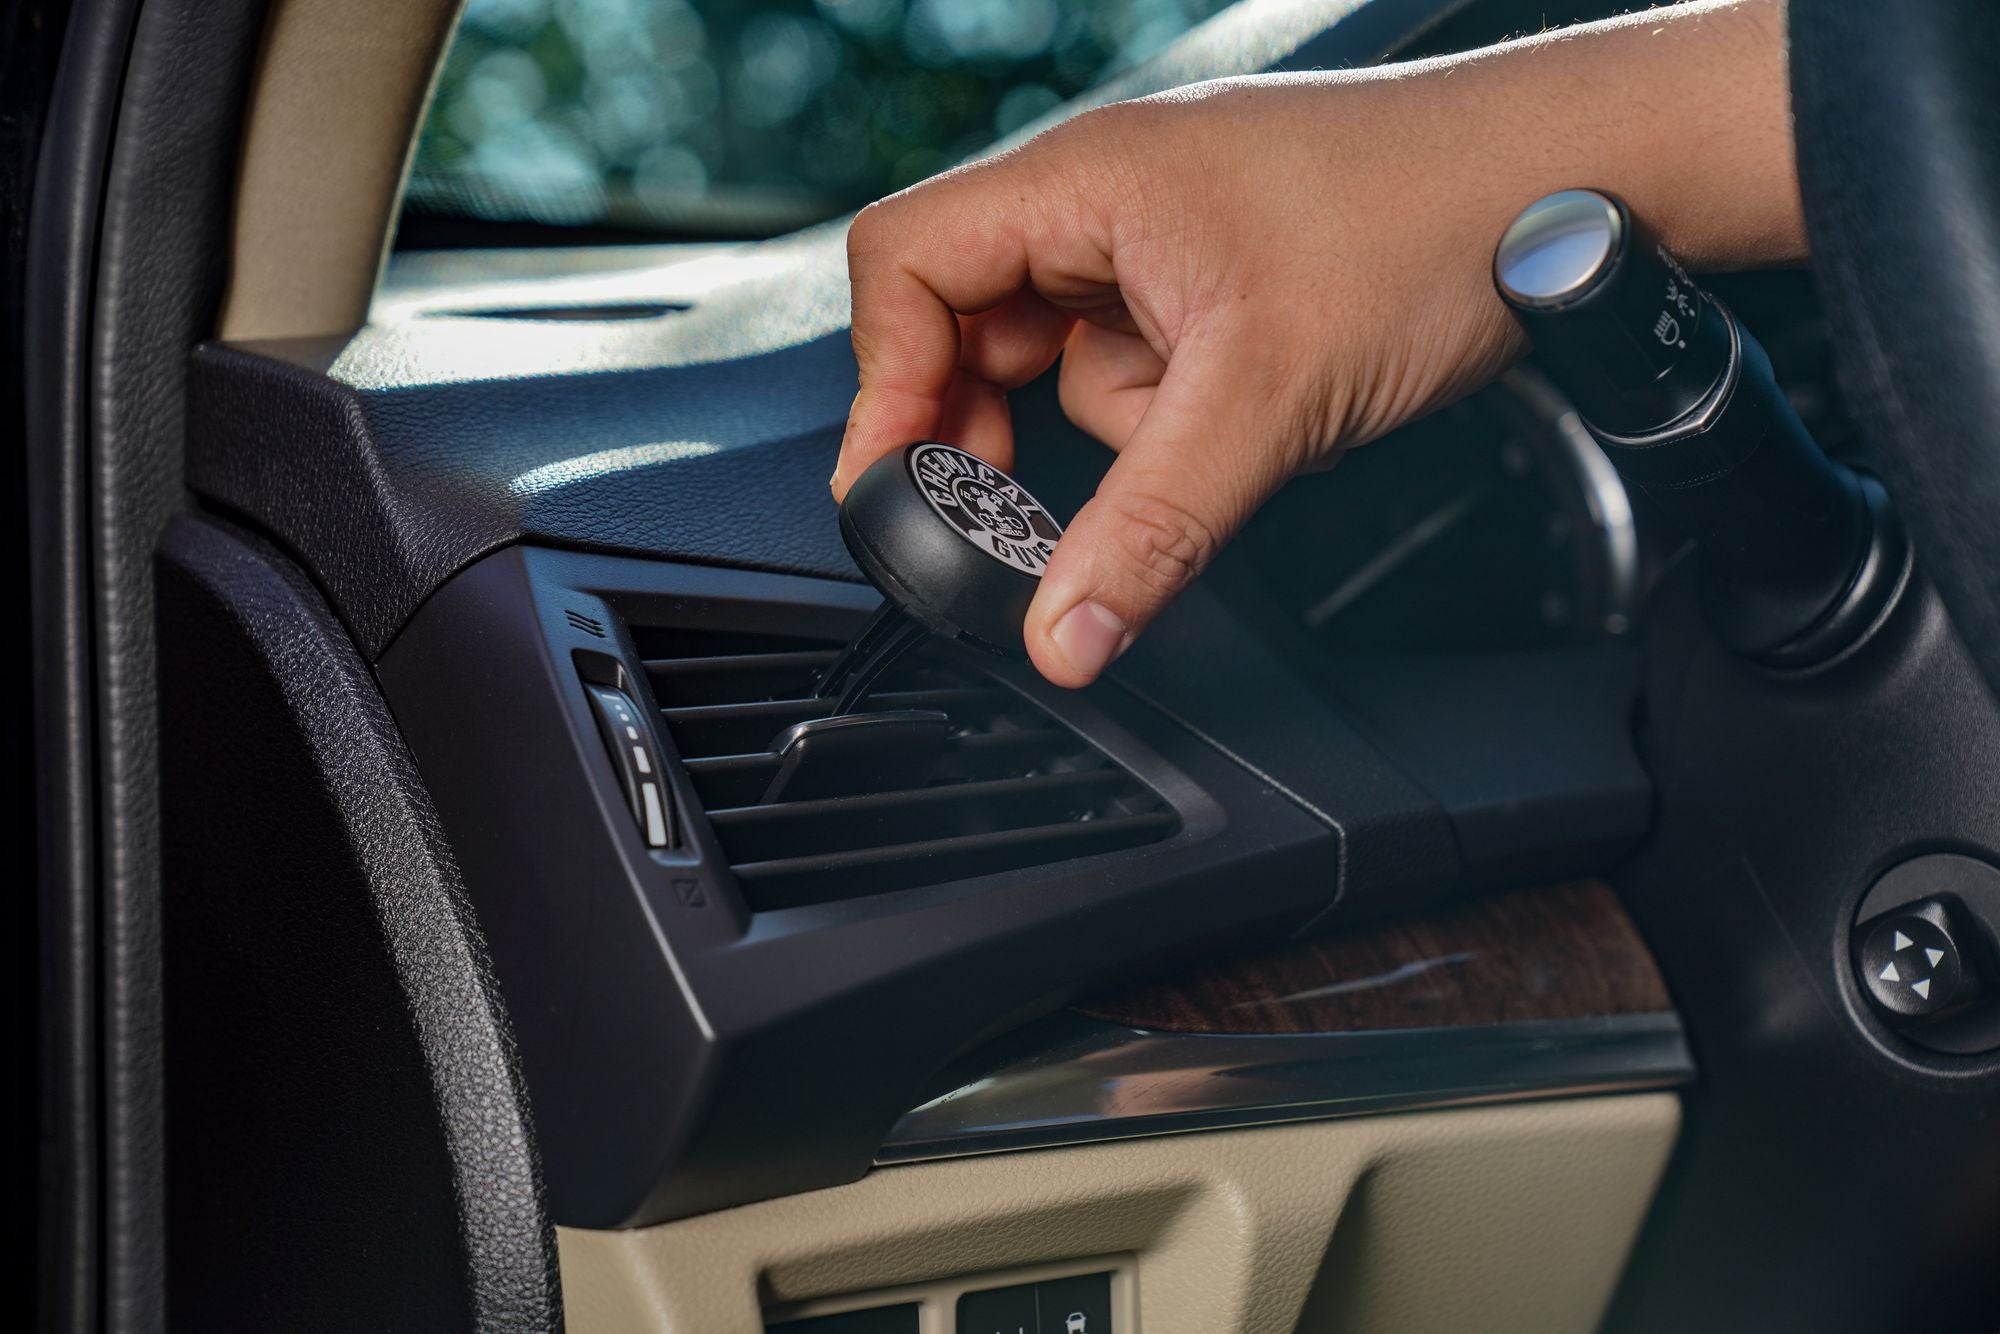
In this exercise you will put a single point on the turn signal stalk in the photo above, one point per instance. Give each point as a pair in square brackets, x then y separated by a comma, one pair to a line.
[1798, 555]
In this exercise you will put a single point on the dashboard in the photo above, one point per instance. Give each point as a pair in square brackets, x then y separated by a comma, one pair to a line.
[538, 486]
[1435, 790]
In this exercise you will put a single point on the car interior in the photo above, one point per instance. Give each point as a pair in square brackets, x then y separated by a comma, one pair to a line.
[1514, 889]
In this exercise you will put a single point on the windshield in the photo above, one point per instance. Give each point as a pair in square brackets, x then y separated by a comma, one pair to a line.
[748, 117]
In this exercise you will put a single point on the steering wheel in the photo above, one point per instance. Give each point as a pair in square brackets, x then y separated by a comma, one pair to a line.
[1898, 128]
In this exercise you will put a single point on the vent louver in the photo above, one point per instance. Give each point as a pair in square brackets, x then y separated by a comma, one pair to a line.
[1002, 785]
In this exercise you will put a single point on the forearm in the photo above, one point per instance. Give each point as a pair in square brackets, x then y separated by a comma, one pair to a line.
[1683, 111]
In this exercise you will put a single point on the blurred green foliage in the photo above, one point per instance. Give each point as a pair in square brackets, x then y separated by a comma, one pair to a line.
[749, 117]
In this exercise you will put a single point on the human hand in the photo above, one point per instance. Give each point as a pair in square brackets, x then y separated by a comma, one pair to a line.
[1244, 278]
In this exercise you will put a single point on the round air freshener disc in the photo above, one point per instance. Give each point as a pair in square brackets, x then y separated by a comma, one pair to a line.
[951, 540]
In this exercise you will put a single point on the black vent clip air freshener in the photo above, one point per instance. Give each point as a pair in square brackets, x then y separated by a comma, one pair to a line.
[957, 549]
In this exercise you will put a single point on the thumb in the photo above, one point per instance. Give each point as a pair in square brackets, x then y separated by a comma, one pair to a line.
[1186, 480]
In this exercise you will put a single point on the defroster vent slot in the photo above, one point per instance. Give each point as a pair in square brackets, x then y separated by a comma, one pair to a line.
[1009, 787]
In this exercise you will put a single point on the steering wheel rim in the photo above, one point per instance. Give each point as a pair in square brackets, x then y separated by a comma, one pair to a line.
[1898, 131]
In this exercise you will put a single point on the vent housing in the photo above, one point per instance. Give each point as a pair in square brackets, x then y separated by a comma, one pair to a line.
[1010, 787]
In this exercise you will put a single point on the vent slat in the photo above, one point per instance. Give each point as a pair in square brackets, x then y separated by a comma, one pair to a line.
[947, 697]
[795, 881]
[839, 824]
[736, 677]
[729, 729]
[738, 780]
[739, 662]
[731, 780]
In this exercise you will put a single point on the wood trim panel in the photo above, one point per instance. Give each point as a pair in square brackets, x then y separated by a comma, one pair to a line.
[1564, 951]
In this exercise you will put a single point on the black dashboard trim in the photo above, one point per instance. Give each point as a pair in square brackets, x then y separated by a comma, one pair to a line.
[1077, 1080]
[680, 1051]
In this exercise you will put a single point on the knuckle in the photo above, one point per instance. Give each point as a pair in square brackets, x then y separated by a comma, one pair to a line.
[863, 342]
[870, 232]
[1139, 116]
[1070, 396]
[1164, 541]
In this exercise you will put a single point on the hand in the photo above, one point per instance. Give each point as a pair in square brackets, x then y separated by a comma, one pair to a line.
[1244, 278]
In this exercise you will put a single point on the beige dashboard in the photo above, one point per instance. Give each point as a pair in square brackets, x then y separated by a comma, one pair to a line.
[1495, 1219]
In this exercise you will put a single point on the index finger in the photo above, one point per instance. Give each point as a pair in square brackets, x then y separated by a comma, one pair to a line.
[916, 262]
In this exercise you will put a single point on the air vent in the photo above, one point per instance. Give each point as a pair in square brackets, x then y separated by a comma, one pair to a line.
[602, 314]
[995, 785]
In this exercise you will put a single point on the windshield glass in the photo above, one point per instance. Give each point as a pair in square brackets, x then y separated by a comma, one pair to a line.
[748, 117]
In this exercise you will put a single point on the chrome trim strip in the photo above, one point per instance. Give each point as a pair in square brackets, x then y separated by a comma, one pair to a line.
[1073, 1080]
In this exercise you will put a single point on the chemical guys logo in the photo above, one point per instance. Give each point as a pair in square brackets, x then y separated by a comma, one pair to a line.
[986, 506]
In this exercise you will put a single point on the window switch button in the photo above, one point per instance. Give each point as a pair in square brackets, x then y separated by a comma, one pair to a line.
[875, 1320]
[1080, 1305]
[998, 1311]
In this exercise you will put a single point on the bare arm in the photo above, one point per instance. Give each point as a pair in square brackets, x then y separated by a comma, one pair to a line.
[1245, 277]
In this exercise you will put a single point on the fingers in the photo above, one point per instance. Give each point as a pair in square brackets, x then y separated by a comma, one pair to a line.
[942, 280]
[906, 344]
[976, 419]
[915, 264]
[1190, 474]
[999, 350]
[1014, 342]
[972, 284]
[1108, 381]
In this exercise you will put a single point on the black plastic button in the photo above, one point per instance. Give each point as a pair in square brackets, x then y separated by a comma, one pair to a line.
[1080, 1305]
[875, 1320]
[1909, 962]
[998, 1311]
[1960, 897]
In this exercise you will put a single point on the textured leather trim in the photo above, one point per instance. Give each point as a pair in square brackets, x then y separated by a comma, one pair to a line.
[1898, 135]
[348, 1138]
[125, 250]
[1493, 1219]
[59, 275]
[385, 493]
